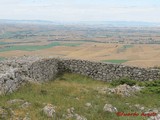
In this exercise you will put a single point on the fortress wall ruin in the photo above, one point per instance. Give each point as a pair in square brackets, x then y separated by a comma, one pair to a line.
[16, 72]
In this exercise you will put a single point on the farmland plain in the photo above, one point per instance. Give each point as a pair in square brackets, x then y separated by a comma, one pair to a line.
[134, 46]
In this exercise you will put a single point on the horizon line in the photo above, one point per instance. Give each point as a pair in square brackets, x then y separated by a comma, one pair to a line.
[78, 20]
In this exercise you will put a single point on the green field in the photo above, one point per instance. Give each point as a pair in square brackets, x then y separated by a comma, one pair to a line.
[72, 90]
[37, 47]
[115, 61]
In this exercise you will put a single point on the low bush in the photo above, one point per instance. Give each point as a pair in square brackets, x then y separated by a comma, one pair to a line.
[151, 90]
[123, 81]
[151, 86]
[155, 83]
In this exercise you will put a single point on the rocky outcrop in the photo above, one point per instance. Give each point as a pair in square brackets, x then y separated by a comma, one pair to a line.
[17, 71]
[72, 115]
[14, 73]
[123, 90]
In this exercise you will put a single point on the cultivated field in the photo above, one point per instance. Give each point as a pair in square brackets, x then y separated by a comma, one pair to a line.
[130, 46]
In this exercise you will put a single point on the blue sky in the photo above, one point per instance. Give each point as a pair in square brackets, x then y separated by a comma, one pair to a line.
[81, 10]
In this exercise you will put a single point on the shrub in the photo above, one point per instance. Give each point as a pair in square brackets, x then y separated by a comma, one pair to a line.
[151, 86]
[155, 83]
[123, 81]
[152, 90]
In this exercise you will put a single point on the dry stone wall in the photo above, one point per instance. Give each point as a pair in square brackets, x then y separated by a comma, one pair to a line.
[106, 71]
[17, 71]
[43, 70]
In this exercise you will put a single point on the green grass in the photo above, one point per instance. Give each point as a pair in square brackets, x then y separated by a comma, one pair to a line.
[72, 90]
[115, 61]
[37, 47]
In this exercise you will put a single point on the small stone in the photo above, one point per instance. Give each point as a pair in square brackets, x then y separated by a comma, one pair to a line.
[155, 110]
[15, 101]
[77, 98]
[127, 104]
[141, 108]
[151, 118]
[3, 113]
[72, 115]
[49, 110]
[158, 115]
[25, 105]
[70, 110]
[88, 105]
[123, 90]
[109, 108]
[78, 117]
[137, 105]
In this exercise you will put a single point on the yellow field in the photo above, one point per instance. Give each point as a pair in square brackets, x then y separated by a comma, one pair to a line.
[135, 55]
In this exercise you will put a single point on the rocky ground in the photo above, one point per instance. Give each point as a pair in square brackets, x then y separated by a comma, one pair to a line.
[16, 106]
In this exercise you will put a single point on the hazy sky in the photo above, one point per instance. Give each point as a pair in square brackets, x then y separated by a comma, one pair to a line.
[81, 10]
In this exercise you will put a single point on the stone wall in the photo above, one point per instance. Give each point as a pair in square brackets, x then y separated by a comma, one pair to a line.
[106, 71]
[43, 70]
[17, 71]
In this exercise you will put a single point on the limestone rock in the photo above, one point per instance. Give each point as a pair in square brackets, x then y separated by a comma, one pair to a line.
[140, 107]
[70, 110]
[126, 90]
[109, 108]
[25, 105]
[3, 113]
[79, 117]
[157, 117]
[123, 90]
[49, 110]
[19, 101]
[88, 105]
[72, 115]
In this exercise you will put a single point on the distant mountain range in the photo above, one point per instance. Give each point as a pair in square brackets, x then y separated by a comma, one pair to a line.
[2, 21]
[124, 24]
[97, 23]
